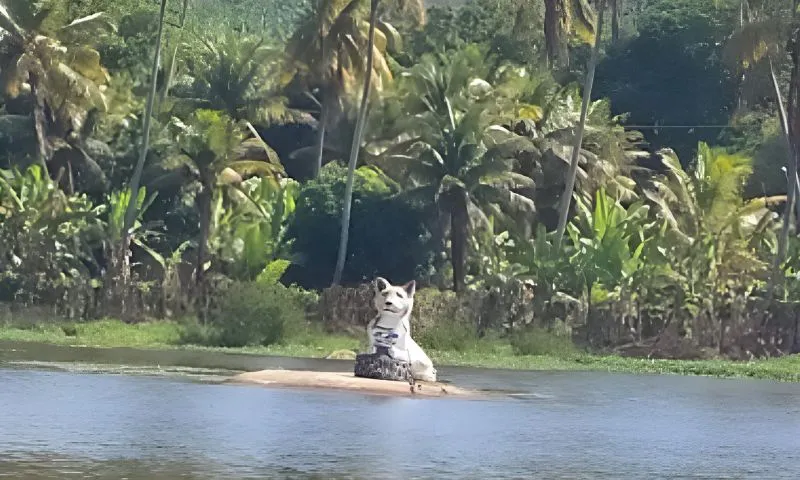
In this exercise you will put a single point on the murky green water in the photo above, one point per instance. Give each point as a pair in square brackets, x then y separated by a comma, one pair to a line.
[70, 413]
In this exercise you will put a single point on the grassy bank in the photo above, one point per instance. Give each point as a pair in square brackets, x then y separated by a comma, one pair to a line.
[491, 354]
[161, 335]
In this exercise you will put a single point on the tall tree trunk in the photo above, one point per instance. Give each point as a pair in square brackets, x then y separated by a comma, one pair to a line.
[115, 295]
[740, 103]
[355, 146]
[320, 143]
[204, 199]
[554, 35]
[199, 296]
[792, 126]
[324, 108]
[566, 198]
[70, 177]
[459, 232]
[796, 192]
[39, 123]
[169, 71]
[615, 8]
[136, 178]
[791, 132]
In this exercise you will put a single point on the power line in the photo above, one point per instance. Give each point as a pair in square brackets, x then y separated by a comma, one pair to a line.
[676, 126]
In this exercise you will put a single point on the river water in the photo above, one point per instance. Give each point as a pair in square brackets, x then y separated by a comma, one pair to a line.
[121, 413]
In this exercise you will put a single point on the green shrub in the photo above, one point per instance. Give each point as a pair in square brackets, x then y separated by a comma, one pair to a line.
[538, 341]
[252, 313]
[441, 321]
[272, 273]
[449, 335]
[194, 333]
[434, 307]
[308, 300]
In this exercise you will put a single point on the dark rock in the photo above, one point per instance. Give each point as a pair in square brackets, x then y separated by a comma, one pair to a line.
[381, 367]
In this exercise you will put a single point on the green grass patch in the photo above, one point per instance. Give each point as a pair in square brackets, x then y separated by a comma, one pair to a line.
[309, 342]
[782, 369]
[101, 333]
[538, 341]
[312, 342]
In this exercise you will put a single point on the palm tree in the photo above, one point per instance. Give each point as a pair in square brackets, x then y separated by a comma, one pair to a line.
[562, 18]
[756, 40]
[616, 6]
[408, 13]
[709, 197]
[369, 79]
[328, 60]
[215, 146]
[452, 156]
[356, 145]
[587, 93]
[532, 104]
[120, 266]
[55, 66]
[706, 205]
[240, 76]
[607, 157]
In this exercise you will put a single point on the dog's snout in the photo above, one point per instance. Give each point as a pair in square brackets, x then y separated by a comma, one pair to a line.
[391, 303]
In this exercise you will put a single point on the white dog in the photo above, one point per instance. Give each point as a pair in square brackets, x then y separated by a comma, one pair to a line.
[391, 328]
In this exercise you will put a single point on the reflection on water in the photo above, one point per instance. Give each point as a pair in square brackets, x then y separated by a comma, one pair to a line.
[71, 422]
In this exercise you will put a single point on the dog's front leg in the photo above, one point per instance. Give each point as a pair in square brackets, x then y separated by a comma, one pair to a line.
[371, 335]
[421, 365]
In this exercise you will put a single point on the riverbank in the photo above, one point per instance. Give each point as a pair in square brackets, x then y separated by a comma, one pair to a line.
[489, 354]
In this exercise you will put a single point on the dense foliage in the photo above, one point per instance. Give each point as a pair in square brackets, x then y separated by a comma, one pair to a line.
[388, 235]
[253, 313]
[471, 119]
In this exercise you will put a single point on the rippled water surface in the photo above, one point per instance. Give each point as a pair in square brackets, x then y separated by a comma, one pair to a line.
[70, 413]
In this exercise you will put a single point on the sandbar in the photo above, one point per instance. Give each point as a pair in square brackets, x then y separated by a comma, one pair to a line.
[348, 381]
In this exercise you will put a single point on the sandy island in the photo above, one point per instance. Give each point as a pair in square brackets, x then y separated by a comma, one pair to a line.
[347, 381]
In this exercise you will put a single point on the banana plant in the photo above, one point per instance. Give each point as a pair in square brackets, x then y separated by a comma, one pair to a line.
[791, 272]
[494, 267]
[116, 207]
[705, 210]
[47, 237]
[250, 224]
[139, 234]
[609, 242]
[548, 269]
[714, 234]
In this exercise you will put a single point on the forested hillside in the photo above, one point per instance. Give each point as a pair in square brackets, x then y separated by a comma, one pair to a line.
[238, 183]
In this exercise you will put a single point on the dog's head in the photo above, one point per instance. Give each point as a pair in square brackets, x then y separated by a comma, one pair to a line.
[393, 299]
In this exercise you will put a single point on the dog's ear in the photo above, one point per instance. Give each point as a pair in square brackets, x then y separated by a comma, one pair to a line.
[410, 288]
[381, 284]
